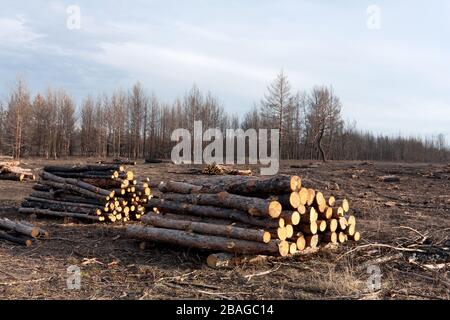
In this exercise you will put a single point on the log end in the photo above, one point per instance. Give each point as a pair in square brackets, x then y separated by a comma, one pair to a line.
[283, 248]
[275, 209]
[266, 237]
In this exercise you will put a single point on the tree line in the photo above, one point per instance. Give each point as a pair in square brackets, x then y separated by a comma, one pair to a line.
[135, 124]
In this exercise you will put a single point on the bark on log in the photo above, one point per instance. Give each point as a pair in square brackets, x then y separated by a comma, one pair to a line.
[312, 241]
[16, 239]
[12, 176]
[242, 185]
[288, 201]
[330, 237]
[46, 212]
[254, 206]
[81, 168]
[58, 207]
[203, 242]
[73, 189]
[291, 217]
[75, 183]
[212, 212]
[206, 228]
[308, 229]
[19, 228]
[66, 198]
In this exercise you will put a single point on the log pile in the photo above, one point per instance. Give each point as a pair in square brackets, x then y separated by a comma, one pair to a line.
[88, 192]
[20, 232]
[218, 169]
[274, 216]
[11, 170]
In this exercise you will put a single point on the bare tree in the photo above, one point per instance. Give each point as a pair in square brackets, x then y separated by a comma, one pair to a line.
[276, 107]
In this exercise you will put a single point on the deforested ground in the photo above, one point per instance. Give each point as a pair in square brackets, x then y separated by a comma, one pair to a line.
[405, 229]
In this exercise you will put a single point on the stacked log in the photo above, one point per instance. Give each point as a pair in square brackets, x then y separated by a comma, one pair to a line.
[218, 169]
[11, 170]
[274, 216]
[20, 232]
[88, 192]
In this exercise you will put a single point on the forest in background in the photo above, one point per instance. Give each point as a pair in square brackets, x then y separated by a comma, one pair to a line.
[134, 124]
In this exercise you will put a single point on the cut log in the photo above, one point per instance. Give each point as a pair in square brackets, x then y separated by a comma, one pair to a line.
[321, 225]
[320, 202]
[351, 230]
[206, 228]
[332, 225]
[292, 248]
[16, 239]
[58, 207]
[301, 242]
[12, 176]
[254, 206]
[75, 183]
[308, 229]
[301, 209]
[343, 204]
[204, 242]
[330, 237]
[211, 212]
[304, 196]
[19, 228]
[46, 212]
[351, 220]
[291, 217]
[326, 214]
[289, 231]
[309, 217]
[312, 241]
[342, 222]
[341, 237]
[81, 168]
[337, 213]
[355, 237]
[66, 198]
[331, 201]
[311, 197]
[280, 184]
[72, 188]
[288, 201]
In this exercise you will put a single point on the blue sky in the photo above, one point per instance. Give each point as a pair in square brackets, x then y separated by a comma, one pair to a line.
[394, 79]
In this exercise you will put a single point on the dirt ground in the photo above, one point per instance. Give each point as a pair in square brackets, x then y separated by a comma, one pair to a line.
[405, 245]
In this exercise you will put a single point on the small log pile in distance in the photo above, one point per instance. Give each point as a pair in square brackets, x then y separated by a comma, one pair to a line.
[88, 192]
[274, 216]
[20, 232]
[219, 169]
[11, 170]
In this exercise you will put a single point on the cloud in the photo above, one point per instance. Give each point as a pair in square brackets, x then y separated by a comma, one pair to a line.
[14, 32]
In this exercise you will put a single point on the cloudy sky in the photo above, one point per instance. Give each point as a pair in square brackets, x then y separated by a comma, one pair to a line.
[388, 60]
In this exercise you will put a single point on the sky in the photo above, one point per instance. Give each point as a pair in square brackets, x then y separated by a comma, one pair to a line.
[387, 60]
